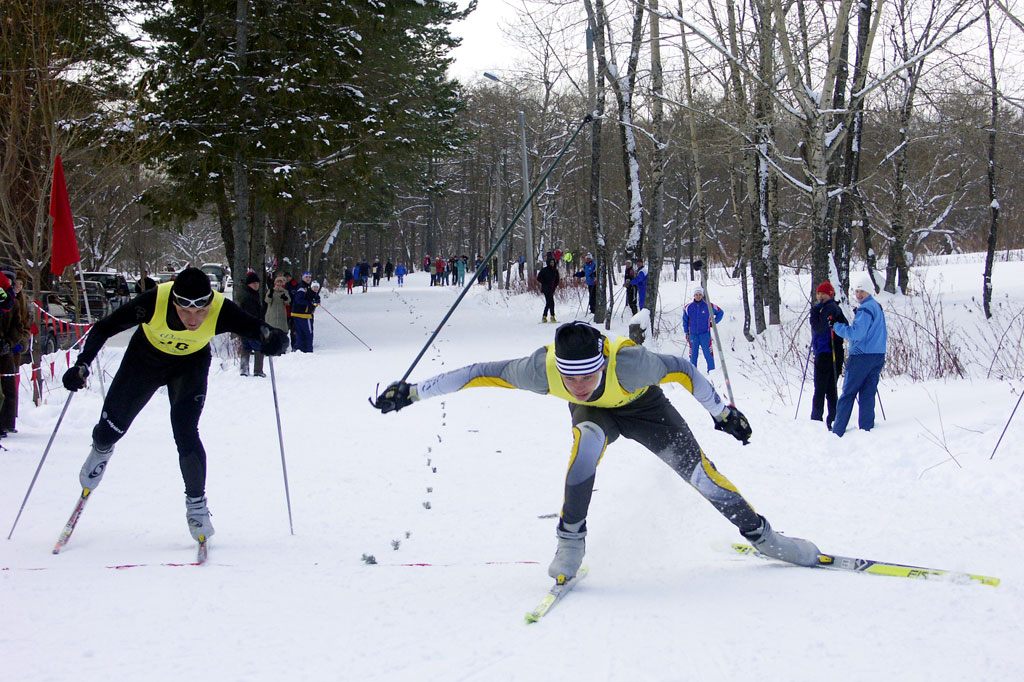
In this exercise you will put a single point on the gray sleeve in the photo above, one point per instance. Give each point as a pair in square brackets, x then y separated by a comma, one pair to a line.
[527, 373]
[639, 367]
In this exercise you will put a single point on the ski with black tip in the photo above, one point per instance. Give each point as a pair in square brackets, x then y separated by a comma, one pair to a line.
[69, 527]
[844, 563]
[555, 595]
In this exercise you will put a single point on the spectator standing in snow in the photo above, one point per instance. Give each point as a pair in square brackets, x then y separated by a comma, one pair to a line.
[378, 272]
[302, 314]
[389, 269]
[277, 301]
[548, 278]
[628, 275]
[251, 304]
[867, 337]
[14, 329]
[828, 352]
[697, 324]
[175, 323]
[640, 282]
[460, 270]
[400, 273]
[589, 271]
[567, 259]
[611, 385]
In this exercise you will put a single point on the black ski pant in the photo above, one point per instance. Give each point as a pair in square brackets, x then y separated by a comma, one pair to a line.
[826, 376]
[592, 298]
[549, 303]
[651, 421]
[141, 373]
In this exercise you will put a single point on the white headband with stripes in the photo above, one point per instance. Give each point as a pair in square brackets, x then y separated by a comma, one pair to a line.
[580, 367]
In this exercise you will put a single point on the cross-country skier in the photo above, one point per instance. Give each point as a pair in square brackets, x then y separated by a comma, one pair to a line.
[612, 389]
[176, 321]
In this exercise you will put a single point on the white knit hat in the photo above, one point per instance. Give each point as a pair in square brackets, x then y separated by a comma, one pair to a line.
[698, 290]
[865, 284]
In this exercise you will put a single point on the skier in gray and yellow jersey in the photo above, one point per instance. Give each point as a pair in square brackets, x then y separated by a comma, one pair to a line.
[612, 387]
[171, 348]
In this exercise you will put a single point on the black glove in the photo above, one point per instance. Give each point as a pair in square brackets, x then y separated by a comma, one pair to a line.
[734, 423]
[273, 341]
[74, 378]
[396, 396]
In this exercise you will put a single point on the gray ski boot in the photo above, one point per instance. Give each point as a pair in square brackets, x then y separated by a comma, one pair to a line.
[777, 546]
[198, 516]
[94, 467]
[571, 548]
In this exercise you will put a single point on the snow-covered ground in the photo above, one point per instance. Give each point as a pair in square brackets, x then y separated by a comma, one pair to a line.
[455, 498]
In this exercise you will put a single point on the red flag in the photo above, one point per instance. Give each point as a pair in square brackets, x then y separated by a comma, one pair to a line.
[64, 249]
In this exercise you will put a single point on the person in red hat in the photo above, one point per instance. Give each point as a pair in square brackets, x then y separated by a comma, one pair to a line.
[828, 352]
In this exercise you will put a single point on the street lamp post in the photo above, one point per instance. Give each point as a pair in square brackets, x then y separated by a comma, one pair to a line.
[528, 214]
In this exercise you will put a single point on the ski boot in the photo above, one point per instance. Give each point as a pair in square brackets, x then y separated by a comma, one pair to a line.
[544, 318]
[569, 555]
[777, 546]
[198, 516]
[94, 467]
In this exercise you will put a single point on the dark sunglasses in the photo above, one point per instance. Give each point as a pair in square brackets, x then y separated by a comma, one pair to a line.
[200, 302]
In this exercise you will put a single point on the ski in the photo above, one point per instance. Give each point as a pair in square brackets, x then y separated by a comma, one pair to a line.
[554, 595]
[69, 527]
[845, 563]
[202, 552]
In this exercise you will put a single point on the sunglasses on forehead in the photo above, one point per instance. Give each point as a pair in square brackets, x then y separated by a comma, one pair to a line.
[200, 302]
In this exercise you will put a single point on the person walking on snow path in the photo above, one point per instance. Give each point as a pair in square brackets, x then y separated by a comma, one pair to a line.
[171, 348]
[828, 352]
[867, 337]
[612, 387]
[400, 273]
[548, 278]
[697, 324]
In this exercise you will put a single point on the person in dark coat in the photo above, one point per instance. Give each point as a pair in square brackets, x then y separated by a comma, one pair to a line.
[249, 301]
[548, 278]
[628, 275]
[828, 352]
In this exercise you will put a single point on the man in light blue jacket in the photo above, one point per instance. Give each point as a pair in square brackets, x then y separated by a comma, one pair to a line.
[867, 337]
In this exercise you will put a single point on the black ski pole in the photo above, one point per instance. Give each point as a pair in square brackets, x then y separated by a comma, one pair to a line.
[810, 349]
[280, 440]
[1007, 426]
[501, 238]
[43, 459]
[346, 328]
[699, 265]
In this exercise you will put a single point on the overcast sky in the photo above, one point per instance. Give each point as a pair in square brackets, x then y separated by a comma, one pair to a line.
[483, 48]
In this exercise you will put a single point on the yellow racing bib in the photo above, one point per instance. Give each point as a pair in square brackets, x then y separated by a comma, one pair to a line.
[184, 342]
[614, 395]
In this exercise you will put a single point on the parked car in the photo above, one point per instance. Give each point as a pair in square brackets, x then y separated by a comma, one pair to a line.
[56, 331]
[99, 304]
[219, 277]
[116, 286]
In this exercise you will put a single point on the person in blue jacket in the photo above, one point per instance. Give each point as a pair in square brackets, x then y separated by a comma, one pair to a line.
[640, 281]
[697, 324]
[303, 306]
[867, 337]
[400, 273]
[590, 272]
